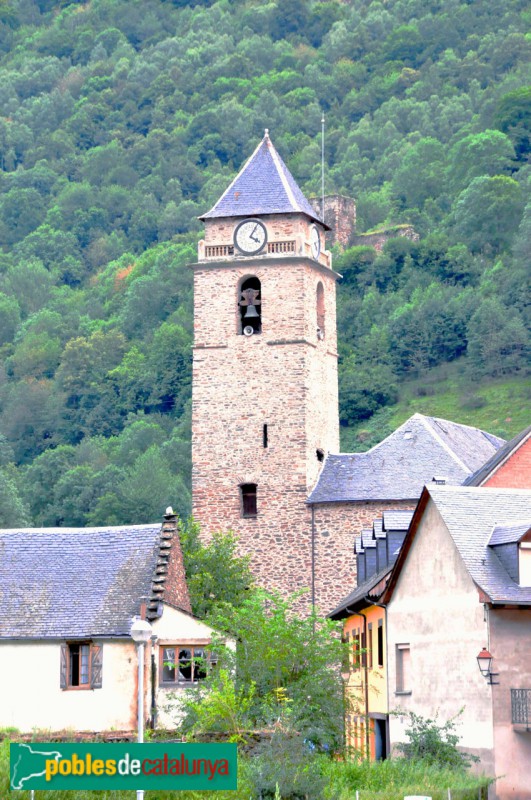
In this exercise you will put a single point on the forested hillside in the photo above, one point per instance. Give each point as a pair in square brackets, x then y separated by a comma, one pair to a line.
[123, 120]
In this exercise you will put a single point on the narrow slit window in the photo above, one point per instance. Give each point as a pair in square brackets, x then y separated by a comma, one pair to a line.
[320, 454]
[265, 437]
[380, 644]
[249, 503]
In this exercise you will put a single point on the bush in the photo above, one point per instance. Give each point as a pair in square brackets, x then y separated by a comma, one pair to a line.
[434, 743]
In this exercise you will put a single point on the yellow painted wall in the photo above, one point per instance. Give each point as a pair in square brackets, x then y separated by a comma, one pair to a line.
[373, 676]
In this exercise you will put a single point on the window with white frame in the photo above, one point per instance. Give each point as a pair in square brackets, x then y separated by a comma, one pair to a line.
[524, 563]
[403, 668]
[184, 664]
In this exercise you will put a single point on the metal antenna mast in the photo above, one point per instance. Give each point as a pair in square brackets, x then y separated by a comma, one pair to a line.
[322, 169]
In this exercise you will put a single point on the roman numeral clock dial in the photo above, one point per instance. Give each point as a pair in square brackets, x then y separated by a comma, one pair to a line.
[250, 236]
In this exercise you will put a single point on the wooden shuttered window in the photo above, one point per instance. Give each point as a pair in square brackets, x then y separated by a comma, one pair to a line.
[63, 682]
[81, 665]
[96, 665]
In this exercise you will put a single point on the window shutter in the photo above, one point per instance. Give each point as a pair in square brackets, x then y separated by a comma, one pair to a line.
[64, 665]
[96, 662]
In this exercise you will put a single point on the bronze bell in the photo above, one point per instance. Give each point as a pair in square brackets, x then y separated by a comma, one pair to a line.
[251, 313]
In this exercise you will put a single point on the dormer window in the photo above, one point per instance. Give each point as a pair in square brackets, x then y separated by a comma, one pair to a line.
[512, 544]
[250, 306]
[524, 563]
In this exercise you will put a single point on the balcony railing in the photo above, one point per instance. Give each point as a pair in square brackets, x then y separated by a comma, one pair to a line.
[521, 707]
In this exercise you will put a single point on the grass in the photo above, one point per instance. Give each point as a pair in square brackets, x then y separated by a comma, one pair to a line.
[498, 406]
[387, 780]
[393, 779]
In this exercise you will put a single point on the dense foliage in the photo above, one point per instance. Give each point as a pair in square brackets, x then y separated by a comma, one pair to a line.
[282, 681]
[122, 120]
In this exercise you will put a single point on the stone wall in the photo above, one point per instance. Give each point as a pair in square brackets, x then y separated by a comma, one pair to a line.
[379, 238]
[335, 526]
[285, 378]
[340, 215]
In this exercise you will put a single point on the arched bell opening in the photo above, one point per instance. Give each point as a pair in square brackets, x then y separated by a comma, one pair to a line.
[250, 306]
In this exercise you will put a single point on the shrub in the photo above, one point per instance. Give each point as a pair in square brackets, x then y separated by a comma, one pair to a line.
[433, 742]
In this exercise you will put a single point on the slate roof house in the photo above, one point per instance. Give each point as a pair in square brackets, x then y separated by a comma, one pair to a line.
[355, 488]
[461, 583]
[67, 601]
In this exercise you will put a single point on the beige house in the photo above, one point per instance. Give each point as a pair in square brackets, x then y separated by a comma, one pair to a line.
[462, 583]
[67, 601]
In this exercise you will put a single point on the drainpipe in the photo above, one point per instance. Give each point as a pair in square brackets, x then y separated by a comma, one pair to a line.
[153, 685]
[366, 670]
[313, 558]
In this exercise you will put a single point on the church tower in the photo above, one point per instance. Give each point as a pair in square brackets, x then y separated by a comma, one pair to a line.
[265, 405]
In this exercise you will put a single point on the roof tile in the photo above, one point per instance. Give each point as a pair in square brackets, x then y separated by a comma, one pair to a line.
[399, 467]
[264, 185]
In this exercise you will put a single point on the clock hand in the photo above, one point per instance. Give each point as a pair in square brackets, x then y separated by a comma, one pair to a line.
[252, 236]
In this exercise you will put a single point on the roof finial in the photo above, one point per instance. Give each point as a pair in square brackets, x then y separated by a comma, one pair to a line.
[266, 131]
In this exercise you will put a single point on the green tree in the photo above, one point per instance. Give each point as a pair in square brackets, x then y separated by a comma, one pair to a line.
[214, 572]
[36, 355]
[486, 153]
[169, 363]
[291, 661]
[420, 174]
[31, 283]
[149, 486]
[488, 213]
[9, 317]
[13, 514]
[363, 389]
[39, 480]
[498, 342]
[513, 117]
[21, 211]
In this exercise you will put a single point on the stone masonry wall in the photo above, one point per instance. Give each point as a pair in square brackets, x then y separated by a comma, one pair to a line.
[340, 215]
[336, 525]
[378, 240]
[285, 378]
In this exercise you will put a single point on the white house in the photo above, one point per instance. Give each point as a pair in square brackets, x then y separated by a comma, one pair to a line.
[67, 600]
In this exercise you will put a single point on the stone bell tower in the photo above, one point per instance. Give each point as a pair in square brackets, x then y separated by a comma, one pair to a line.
[265, 405]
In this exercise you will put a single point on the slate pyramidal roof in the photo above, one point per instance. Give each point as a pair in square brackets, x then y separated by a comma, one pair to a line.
[84, 582]
[264, 185]
[421, 449]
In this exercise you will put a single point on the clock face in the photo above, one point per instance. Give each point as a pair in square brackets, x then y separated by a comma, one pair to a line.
[315, 241]
[250, 236]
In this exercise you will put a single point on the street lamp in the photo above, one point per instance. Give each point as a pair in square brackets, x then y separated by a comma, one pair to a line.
[141, 632]
[485, 666]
